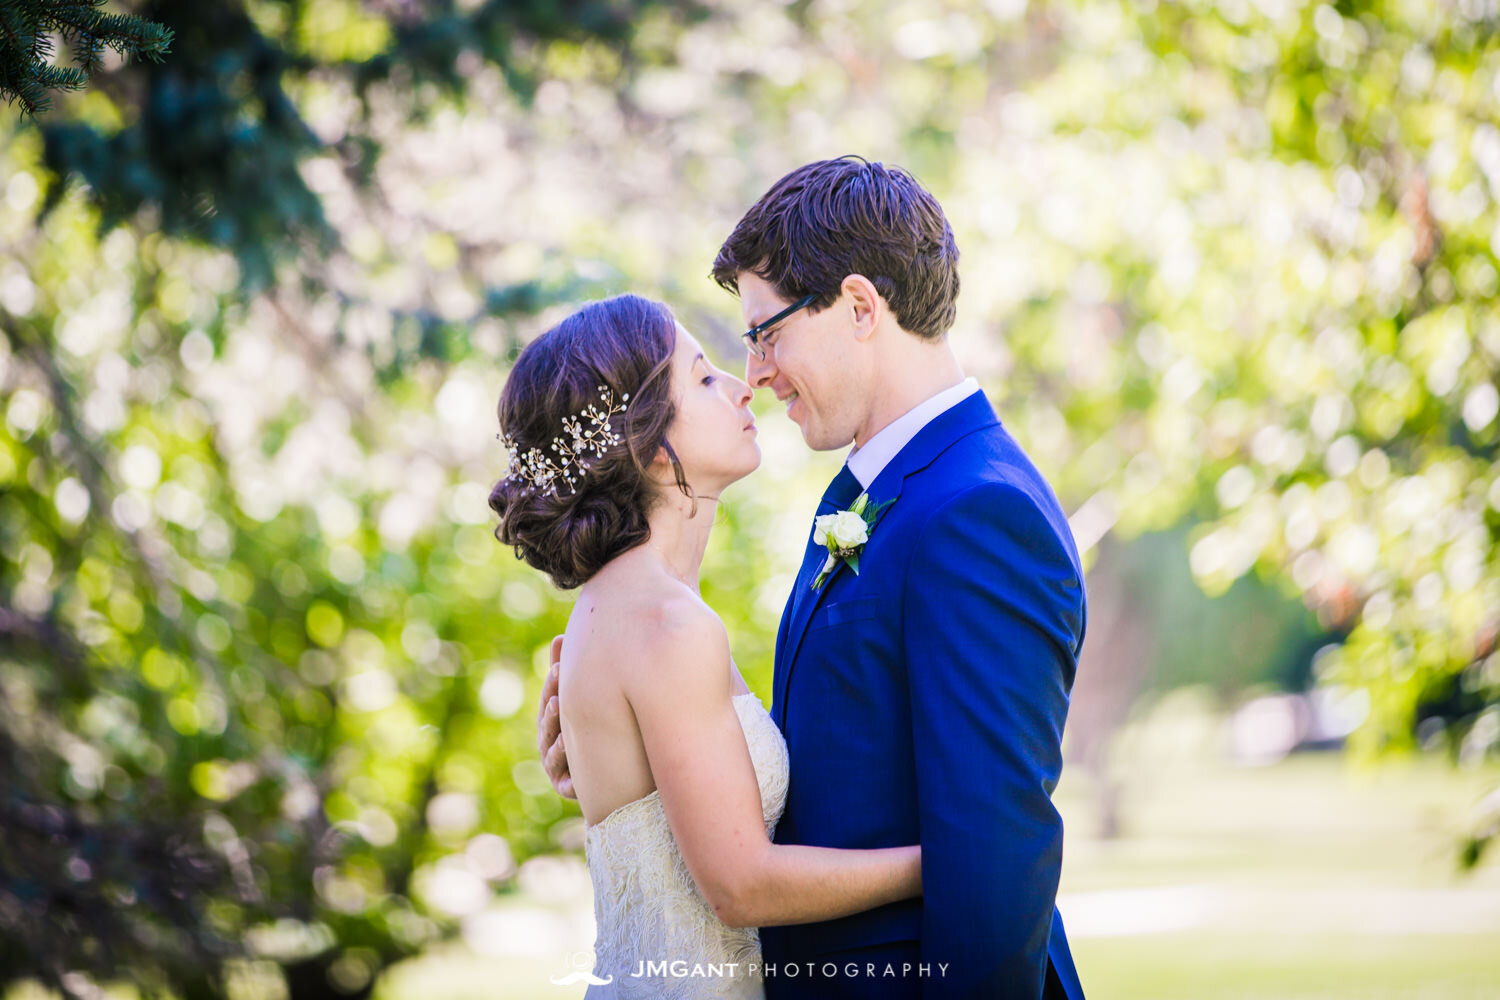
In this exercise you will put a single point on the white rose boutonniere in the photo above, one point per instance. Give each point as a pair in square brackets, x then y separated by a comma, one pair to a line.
[841, 532]
[844, 534]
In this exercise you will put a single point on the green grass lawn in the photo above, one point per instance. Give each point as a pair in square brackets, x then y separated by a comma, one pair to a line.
[1308, 879]
[1267, 965]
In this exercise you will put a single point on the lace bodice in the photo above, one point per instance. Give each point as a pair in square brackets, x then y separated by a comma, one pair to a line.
[648, 908]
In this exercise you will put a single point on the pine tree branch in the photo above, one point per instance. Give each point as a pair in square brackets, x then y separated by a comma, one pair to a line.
[18, 46]
[88, 53]
[60, 77]
[69, 16]
[26, 46]
[129, 35]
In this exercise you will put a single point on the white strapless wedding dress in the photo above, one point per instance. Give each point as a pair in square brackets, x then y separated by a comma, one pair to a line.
[647, 907]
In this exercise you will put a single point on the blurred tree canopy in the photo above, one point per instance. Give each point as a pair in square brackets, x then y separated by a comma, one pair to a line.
[190, 765]
[265, 675]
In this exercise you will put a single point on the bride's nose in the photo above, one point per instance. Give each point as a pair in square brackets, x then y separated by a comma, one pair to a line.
[739, 390]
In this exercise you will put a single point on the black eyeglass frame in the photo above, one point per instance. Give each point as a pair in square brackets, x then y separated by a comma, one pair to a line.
[752, 336]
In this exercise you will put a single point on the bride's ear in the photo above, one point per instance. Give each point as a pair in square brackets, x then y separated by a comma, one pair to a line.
[667, 465]
[665, 456]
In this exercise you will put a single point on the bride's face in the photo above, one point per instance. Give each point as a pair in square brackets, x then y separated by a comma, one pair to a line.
[713, 432]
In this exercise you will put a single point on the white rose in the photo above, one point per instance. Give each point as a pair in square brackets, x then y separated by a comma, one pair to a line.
[844, 530]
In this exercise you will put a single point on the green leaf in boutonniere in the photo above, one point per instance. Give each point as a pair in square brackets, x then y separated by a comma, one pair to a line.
[845, 533]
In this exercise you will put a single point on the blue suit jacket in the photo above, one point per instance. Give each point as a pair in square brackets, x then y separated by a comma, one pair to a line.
[923, 701]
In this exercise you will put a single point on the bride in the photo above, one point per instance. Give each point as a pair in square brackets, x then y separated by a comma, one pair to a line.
[622, 436]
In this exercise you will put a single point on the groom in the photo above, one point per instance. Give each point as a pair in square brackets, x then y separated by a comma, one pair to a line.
[922, 698]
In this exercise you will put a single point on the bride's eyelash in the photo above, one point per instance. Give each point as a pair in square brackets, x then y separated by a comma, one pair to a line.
[708, 380]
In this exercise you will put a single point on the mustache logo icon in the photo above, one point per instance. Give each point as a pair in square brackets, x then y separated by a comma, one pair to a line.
[581, 977]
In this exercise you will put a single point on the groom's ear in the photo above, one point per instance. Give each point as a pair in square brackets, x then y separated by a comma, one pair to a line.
[866, 307]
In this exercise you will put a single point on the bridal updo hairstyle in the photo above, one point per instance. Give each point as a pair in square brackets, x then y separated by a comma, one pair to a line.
[624, 343]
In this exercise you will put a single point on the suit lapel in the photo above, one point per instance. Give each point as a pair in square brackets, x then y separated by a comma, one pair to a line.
[885, 490]
[839, 494]
[963, 418]
[804, 601]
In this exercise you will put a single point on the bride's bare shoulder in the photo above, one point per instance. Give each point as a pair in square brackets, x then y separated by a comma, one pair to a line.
[659, 632]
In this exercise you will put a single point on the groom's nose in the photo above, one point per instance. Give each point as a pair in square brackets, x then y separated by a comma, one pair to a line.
[759, 371]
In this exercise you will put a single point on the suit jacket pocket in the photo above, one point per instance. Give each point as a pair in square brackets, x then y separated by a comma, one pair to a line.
[844, 612]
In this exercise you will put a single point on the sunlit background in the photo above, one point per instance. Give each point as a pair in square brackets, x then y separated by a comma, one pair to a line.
[267, 681]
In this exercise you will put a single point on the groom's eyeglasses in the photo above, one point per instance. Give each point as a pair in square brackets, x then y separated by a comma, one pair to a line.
[753, 335]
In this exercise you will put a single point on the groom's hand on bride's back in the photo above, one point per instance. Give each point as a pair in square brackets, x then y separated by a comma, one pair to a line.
[549, 740]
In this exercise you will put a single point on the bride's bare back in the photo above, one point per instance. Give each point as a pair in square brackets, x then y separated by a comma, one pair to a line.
[627, 606]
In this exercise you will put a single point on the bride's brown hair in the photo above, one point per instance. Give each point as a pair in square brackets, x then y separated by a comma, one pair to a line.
[624, 344]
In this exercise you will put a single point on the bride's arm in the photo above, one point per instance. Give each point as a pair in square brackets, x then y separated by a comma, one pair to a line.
[679, 687]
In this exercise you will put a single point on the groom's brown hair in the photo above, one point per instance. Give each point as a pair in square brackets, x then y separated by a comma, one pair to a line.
[833, 218]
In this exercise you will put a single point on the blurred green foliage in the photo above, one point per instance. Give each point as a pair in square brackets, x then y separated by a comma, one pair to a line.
[252, 700]
[1249, 638]
[1226, 264]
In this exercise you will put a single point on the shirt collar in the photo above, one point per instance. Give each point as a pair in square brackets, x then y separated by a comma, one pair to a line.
[868, 461]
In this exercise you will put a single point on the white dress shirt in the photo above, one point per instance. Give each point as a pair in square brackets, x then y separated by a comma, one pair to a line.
[868, 461]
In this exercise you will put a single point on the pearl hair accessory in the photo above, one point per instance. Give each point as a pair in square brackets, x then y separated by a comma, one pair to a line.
[573, 451]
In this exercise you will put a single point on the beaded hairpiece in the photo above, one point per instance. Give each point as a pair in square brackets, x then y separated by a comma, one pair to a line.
[573, 451]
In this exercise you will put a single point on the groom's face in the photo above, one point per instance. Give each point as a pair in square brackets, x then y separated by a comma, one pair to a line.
[812, 364]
